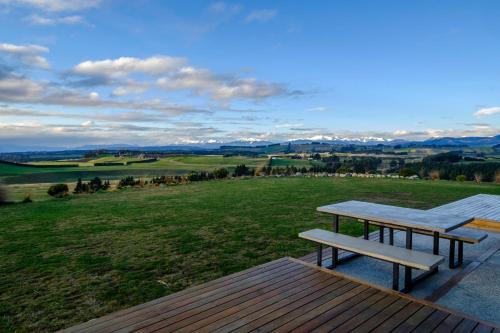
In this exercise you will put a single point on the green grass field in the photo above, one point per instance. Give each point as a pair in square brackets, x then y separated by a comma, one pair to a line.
[69, 260]
[176, 165]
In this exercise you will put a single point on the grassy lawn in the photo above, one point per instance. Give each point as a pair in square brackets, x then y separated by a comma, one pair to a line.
[67, 261]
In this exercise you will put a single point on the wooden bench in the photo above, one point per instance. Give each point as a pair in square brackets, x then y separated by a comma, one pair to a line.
[461, 235]
[396, 255]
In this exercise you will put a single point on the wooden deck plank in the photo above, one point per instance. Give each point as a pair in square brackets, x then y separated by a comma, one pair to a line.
[448, 324]
[211, 313]
[399, 317]
[368, 313]
[414, 320]
[283, 296]
[184, 297]
[212, 297]
[261, 309]
[466, 326]
[311, 311]
[337, 316]
[184, 293]
[481, 328]
[344, 292]
[262, 298]
[382, 316]
[431, 322]
[192, 316]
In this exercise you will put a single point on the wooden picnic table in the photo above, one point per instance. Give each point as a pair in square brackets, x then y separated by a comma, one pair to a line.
[397, 217]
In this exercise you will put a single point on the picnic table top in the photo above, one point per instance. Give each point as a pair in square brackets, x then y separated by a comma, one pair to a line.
[397, 216]
[481, 206]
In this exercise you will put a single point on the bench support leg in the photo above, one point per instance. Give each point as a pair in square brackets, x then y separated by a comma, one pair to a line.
[460, 259]
[335, 257]
[391, 236]
[381, 234]
[320, 255]
[395, 276]
[452, 253]
[460, 253]
[409, 245]
[366, 232]
[408, 279]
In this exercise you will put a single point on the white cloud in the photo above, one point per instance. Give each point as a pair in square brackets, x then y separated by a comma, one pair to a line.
[318, 109]
[130, 88]
[55, 5]
[49, 21]
[124, 66]
[22, 49]
[221, 7]
[261, 15]
[27, 54]
[220, 87]
[487, 111]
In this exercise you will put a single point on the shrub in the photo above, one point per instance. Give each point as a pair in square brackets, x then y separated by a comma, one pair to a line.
[461, 178]
[241, 170]
[58, 190]
[221, 173]
[406, 172]
[128, 181]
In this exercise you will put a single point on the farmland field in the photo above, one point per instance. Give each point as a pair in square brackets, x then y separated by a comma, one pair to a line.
[176, 165]
[65, 261]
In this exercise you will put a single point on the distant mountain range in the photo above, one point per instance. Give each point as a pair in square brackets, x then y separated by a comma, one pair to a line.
[364, 141]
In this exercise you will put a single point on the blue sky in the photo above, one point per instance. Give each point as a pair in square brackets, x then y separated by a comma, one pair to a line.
[160, 72]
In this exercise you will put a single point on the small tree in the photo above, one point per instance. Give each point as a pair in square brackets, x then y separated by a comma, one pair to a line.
[461, 178]
[95, 184]
[221, 173]
[58, 190]
[241, 170]
[478, 177]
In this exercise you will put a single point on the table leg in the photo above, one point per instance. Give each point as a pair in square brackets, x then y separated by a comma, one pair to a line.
[452, 253]
[366, 233]
[335, 251]
[381, 234]
[391, 236]
[335, 224]
[435, 247]
[409, 245]
[460, 253]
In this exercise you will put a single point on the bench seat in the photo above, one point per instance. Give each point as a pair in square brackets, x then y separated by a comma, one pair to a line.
[462, 234]
[395, 255]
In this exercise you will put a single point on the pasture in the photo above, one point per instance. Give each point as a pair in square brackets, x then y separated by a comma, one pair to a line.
[65, 261]
[171, 166]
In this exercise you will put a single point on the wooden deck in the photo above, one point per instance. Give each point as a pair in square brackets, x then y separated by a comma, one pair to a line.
[484, 208]
[282, 296]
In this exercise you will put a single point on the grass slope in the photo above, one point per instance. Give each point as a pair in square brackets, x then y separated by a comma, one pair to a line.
[67, 261]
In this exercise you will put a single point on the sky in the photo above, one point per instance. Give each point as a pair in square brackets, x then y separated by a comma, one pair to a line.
[78, 72]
